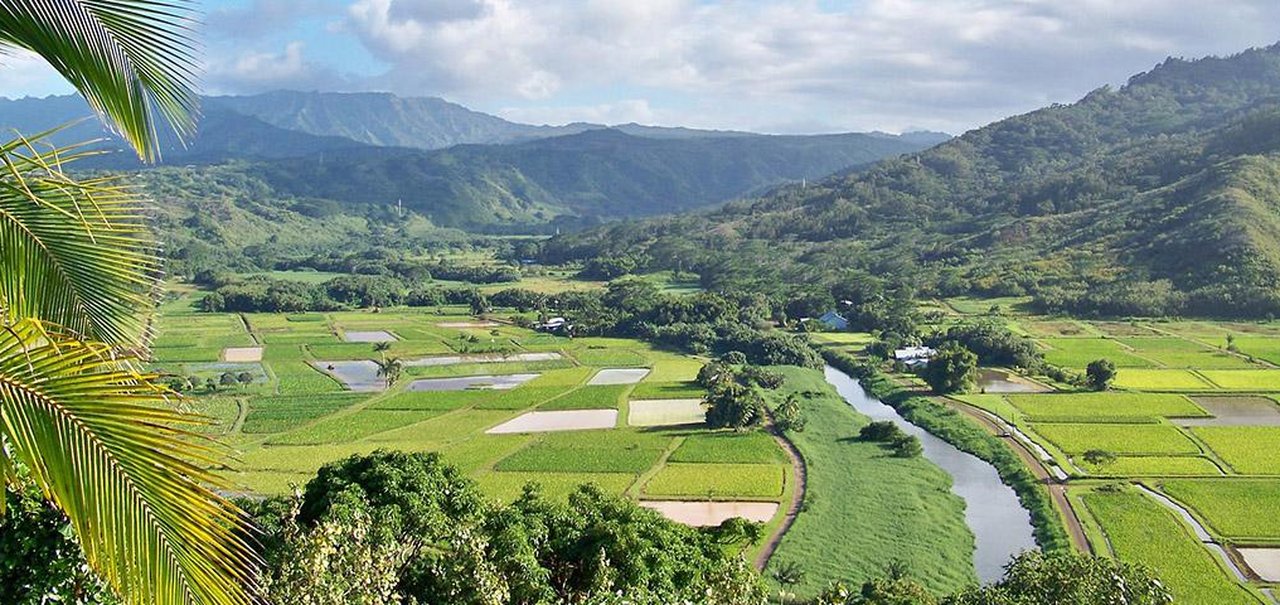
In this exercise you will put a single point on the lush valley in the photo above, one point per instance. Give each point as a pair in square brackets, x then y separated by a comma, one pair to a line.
[392, 351]
[1151, 199]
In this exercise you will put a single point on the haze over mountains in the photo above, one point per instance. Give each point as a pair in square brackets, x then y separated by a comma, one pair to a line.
[1160, 197]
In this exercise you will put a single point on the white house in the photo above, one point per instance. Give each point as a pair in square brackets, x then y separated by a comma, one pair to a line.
[913, 356]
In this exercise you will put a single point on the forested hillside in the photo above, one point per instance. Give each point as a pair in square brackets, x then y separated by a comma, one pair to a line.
[1157, 197]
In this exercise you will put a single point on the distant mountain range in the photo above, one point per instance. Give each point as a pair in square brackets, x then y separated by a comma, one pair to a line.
[462, 168]
[1160, 197]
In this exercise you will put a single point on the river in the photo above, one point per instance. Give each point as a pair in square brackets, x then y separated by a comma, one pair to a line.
[1001, 527]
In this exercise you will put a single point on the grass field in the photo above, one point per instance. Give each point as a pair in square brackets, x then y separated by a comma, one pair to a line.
[1242, 509]
[1250, 450]
[1140, 530]
[864, 509]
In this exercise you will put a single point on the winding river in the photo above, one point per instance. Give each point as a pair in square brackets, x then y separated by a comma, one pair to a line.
[1001, 527]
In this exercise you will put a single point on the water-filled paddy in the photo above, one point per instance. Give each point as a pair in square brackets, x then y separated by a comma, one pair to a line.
[359, 376]
[666, 412]
[1236, 411]
[501, 383]
[619, 376]
[369, 336]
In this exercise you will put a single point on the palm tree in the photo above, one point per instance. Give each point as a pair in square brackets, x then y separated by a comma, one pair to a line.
[382, 347]
[389, 369]
[79, 275]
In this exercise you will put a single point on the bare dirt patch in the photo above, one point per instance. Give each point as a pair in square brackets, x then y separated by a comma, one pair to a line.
[703, 514]
[242, 354]
[1265, 562]
[462, 325]
[569, 420]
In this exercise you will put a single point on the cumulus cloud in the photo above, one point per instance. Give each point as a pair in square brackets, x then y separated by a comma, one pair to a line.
[625, 111]
[881, 63]
[256, 71]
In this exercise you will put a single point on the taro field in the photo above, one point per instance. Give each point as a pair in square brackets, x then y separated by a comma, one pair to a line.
[1177, 466]
[506, 405]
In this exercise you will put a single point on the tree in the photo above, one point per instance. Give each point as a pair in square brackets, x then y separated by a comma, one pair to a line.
[906, 446]
[227, 379]
[244, 378]
[1099, 457]
[788, 416]
[381, 347]
[1099, 374]
[787, 574]
[952, 369]
[389, 370]
[78, 277]
[1034, 578]
[731, 405]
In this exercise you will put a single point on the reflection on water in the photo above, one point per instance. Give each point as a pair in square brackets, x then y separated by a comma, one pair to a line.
[996, 381]
[1001, 527]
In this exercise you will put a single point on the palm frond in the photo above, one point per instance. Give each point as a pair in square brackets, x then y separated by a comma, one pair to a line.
[100, 441]
[76, 253]
[131, 59]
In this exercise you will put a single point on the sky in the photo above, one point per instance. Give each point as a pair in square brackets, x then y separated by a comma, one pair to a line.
[779, 66]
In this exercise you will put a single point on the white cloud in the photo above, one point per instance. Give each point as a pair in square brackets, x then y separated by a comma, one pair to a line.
[255, 71]
[25, 71]
[883, 63]
[621, 112]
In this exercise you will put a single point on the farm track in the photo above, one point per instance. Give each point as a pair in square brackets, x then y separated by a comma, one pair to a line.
[799, 475]
[1057, 491]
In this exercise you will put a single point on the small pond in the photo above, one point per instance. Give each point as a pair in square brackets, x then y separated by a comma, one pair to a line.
[1000, 381]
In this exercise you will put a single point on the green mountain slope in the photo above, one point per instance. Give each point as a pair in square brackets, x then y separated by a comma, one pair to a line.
[1164, 189]
[592, 176]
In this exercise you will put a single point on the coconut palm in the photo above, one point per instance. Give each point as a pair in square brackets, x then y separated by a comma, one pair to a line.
[79, 275]
[389, 369]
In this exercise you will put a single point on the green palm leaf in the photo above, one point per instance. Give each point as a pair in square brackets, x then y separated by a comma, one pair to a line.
[101, 441]
[75, 253]
[131, 59]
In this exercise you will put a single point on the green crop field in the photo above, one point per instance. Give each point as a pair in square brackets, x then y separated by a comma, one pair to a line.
[1245, 380]
[1140, 530]
[1118, 438]
[1240, 509]
[1106, 406]
[1152, 466]
[1078, 352]
[1267, 348]
[1179, 353]
[718, 481]
[729, 447]
[589, 397]
[1161, 380]
[1253, 450]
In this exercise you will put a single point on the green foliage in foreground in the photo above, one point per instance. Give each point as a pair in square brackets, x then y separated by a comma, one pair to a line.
[435, 539]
